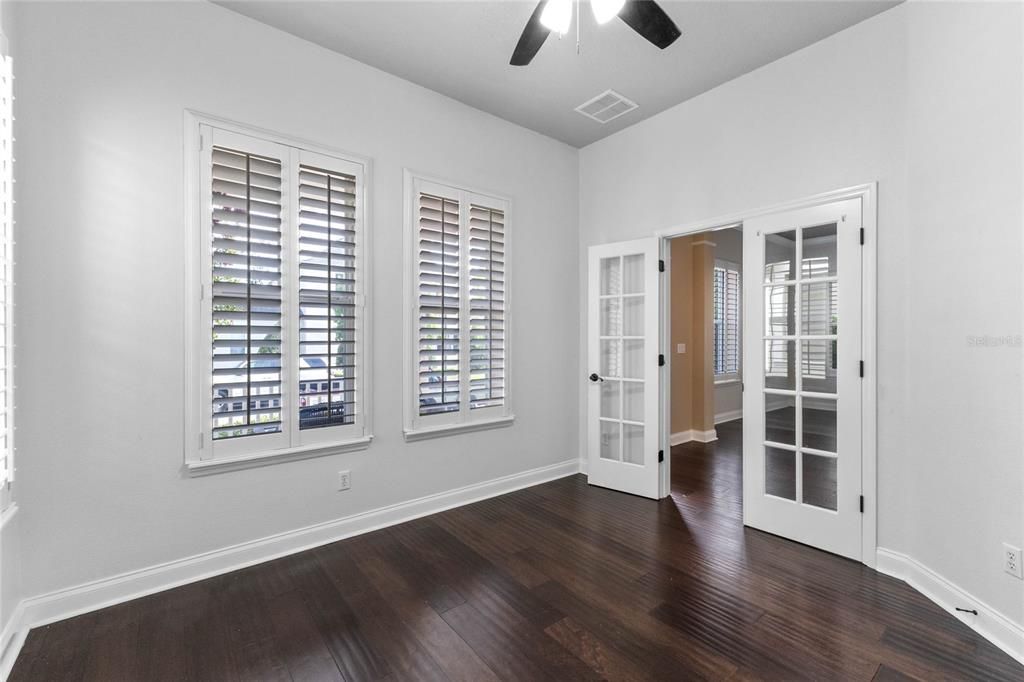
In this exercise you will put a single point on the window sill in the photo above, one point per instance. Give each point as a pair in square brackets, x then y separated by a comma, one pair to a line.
[412, 435]
[726, 382]
[206, 467]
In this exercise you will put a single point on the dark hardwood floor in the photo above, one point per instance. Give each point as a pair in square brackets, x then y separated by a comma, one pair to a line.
[557, 582]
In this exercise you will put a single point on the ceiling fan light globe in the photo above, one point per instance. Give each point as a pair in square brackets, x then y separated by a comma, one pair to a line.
[606, 10]
[557, 15]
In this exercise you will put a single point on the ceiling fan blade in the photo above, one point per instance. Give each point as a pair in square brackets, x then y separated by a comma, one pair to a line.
[649, 20]
[533, 37]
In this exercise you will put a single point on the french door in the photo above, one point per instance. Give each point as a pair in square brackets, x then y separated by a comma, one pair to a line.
[802, 406]
[624, 305]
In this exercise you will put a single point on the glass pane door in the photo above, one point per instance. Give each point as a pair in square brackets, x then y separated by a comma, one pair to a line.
[623, 412]
[802, 398]
[801, 331]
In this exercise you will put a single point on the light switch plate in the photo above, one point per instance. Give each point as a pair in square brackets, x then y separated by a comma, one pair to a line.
[680, 348]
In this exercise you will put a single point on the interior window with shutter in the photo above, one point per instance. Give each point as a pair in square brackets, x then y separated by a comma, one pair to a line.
[726, 320]
[459, 327]
[6, 282]
[280, 327]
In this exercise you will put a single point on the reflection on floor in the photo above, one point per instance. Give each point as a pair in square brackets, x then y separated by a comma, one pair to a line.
[562, 581]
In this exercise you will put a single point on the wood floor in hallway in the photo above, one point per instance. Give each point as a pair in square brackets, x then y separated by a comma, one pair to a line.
[561, 581]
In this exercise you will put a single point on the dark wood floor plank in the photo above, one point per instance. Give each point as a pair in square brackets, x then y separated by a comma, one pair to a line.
[561, 581]
[385, 631]
[480, 581]
[637, 637]
[448, 649]
[335, 621]
[512, 647]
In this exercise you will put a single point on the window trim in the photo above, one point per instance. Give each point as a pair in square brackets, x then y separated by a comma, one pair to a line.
[6, 494]
[737, 376]
[198, 455]
[415, 427]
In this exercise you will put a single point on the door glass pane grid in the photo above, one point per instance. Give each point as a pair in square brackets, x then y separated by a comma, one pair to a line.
[801, 327]
[621, 309]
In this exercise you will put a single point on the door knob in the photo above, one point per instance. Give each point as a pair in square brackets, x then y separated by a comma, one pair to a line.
[595, 378]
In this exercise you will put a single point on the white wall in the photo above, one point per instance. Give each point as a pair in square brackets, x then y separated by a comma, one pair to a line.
[101, 94]
[925, 99]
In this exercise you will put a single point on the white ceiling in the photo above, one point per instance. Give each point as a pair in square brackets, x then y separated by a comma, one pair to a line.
[462, 49]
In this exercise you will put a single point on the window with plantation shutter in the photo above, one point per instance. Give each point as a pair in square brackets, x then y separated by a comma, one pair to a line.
[458, 339]
[281, 347]
[6, 282]
[726, 321]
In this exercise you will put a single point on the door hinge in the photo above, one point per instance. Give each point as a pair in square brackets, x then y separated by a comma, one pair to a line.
[862, 236]
[661, 360]
[861, 504]
[661, 455]
[861, 369]
[661, 266]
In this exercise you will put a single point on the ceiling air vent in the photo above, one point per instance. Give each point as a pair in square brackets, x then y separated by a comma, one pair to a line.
[606, 106]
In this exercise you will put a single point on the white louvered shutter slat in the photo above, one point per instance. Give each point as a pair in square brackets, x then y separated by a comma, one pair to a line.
[486, 307]
[246, 294]
[438, 299]
[327, 298]
[726, 294]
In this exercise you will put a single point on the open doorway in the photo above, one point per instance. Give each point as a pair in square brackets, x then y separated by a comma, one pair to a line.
[706, 378]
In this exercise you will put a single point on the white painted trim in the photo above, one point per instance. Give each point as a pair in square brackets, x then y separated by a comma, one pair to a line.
[692, 435]
[12, 638]
[49, 608]
[248, 461]
[989, 623]
[412, 435]
[7, 514]
[729, 416]
[736, 219]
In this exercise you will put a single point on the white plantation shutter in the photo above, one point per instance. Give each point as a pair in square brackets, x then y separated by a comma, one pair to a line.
[282, 345]
[486, 307]
[6, 261]
[726, 292]
[327, 298]
[439, 304]
[246, 294]
[458, 371]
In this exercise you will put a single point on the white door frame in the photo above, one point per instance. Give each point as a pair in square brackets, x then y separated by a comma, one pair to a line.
[868, 194]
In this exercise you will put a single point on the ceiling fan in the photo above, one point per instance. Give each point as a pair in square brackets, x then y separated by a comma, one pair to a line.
[643, 16]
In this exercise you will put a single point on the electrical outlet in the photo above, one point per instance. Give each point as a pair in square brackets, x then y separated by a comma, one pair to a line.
[344, 480]
[1011, 561]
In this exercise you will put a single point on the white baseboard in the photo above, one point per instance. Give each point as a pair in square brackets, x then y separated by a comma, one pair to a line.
[11, 639]
[729, 416]
[49, 608]
[693, 435]
[989, 623]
